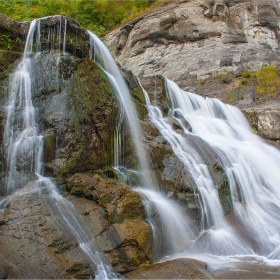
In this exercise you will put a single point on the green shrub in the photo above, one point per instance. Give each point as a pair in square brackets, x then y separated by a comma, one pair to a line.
[247, 74]
[268, 81]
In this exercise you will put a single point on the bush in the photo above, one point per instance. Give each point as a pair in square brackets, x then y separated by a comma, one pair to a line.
[268, 81]
[247, 74]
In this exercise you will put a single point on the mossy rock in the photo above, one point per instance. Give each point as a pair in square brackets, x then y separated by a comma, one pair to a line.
[137, 95]
[120, 202]
[94, 113]
[49, 148]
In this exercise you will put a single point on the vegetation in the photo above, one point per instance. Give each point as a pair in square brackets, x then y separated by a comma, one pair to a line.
[97, 15]
[268, 81]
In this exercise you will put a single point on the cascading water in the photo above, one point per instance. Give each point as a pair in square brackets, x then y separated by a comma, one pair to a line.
[171, 230]
[102, 56]
[24, 146]
[252, 228]
[251, 169]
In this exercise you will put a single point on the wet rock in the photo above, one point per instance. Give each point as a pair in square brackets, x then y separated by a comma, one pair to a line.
[120, 202]
[174, 269]
[78, 135]
[33, 242]
[76, 38]
[120, 230]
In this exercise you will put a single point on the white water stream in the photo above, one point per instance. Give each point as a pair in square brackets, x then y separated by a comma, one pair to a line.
[104, 59]
[24, 146]
[171, 230]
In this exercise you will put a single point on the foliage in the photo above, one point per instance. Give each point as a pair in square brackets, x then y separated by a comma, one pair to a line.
[96, 15]
[232, 97]
[6, 41]
[254, 130]
[268, 81]
[247, 74]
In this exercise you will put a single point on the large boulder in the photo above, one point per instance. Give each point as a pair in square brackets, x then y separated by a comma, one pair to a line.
[121, 232]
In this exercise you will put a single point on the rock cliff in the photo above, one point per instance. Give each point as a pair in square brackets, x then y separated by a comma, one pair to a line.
[207, 47]
[190, 40]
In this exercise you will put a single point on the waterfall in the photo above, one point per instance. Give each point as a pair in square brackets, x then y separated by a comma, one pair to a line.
[249, 164]
[24, 146]
[104, 59]
[172, 232]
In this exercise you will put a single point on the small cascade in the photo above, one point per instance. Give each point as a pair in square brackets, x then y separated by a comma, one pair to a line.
[172, 231]
[24, 146]
[21, 136]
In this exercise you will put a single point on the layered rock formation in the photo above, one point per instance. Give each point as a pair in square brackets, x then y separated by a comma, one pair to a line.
[205, 47]
[190, 40]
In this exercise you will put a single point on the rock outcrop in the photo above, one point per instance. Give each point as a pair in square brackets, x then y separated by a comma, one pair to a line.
[173, 269]
[207, 47]
[191, 40]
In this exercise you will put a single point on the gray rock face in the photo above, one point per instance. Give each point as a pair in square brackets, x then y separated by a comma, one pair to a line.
[205, 46]
[190, 40]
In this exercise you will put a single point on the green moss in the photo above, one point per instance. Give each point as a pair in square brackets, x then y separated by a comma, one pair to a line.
[247, 74]
[132, 211]
[254, 130]
[49, 148]
[241, 88]
[232, 97]
[105, 199]
[139, 102]
[73, 165]
[93, 118]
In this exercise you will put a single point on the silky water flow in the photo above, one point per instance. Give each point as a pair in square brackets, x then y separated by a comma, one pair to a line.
[250, 233]
[24, 146]
[171, 230]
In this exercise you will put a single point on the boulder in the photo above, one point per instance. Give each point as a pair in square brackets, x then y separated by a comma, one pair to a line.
[173, 269]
